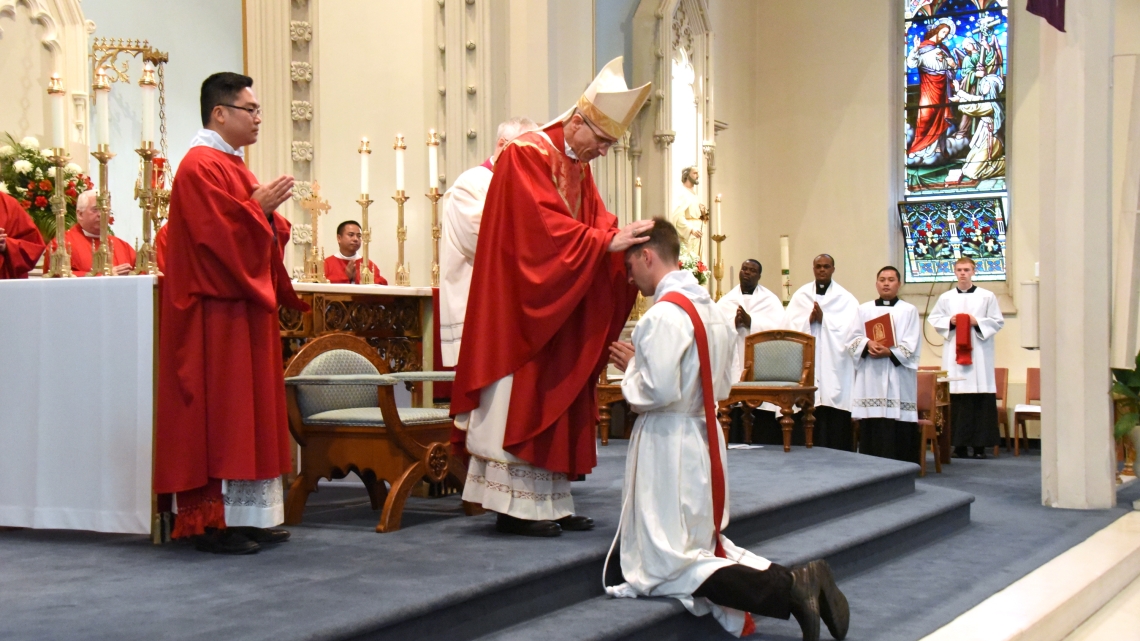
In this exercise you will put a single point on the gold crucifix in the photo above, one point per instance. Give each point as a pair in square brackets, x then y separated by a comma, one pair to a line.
[315, 259]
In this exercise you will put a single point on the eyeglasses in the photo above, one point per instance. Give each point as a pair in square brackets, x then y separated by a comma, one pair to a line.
[253, 111]
[604, 140]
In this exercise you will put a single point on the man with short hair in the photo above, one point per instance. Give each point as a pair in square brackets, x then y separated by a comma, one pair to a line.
[344, 267]
[222, 437]
[548, 294]
[675, 493]
[885, 401]
[968, 317]
[828, 312]
[20, 242]
[688, 215]
[83, 239]
[462, 207]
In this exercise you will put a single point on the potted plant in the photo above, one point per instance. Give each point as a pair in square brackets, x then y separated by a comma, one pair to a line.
[1126, 397]
[27, 175]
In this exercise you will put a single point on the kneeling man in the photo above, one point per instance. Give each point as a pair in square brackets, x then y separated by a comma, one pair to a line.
[675, 497]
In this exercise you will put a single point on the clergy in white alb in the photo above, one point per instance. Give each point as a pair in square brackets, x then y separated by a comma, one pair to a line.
[885, 401]
[973, 391]
[675, 483]
[462, 206]
[753, 309]
[830, 313]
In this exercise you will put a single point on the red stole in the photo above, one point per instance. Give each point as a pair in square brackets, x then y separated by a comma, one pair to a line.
[81, 252]
[963, 340]
[712, 426]
[24, 244]
[546, 299]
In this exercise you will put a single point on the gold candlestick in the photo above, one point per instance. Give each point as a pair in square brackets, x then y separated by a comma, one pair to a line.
[61, 254]
[718, 267]
[102, 260]
[366, 277]
[436, 233]
[403, 274]
[145, 261]
[315, 260]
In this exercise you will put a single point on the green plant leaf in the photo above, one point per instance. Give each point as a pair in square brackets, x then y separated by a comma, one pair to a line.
[1125, 424]
[1125, 390]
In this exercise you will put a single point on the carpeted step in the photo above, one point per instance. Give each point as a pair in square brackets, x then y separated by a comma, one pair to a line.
[850, 543]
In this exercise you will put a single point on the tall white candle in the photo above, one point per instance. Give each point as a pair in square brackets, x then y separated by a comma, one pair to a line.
[364, 165]
[719, 225]
[637, 198]
[58, 112]
[785, 261]
[400, 146]
[433, 160]
[147, 89]
[102, 108]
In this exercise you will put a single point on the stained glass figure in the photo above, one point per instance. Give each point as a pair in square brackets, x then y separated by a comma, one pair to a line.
[955, 124]
[938, 232]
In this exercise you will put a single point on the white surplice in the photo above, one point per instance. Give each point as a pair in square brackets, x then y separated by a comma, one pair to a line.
[834, 366]
[767, 313]
[883, 389]
[666, 527]
[978, 378]
[462, 214]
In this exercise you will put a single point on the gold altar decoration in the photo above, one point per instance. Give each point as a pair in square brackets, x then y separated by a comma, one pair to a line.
[718, 266]
[105, 53]
[61, 255]
[366, 277]
[403, 274]
[102, 259]
[315, 257]
[436, 231]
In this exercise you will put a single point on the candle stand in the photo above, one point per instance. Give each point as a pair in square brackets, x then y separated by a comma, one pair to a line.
[718, 266]
[102, 260]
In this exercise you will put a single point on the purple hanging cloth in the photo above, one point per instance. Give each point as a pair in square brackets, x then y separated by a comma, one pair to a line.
[1052, 10]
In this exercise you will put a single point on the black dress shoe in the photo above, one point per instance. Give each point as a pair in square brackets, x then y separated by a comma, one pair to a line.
[262, 535]
[575, 523]
[833, 608]
[805, 601]
[960, 452]
[225, 542]
[510, 525]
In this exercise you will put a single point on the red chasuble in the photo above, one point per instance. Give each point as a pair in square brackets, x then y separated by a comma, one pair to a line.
[81, 252]
[546, 299]
[336, 270]
[160, 247]
[24, 244]
[221, 391]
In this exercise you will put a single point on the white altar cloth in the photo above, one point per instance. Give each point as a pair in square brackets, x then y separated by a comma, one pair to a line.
[76, 403]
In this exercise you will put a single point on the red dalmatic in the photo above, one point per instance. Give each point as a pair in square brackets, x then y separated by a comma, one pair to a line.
[336, 271]
[221, 392]
[82, 248]
[24, 245]
[546, 299]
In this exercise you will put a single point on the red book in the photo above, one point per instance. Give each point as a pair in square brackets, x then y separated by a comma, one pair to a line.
[881, 330]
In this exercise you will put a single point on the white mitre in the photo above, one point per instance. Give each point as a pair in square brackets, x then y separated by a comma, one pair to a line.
[609, 103]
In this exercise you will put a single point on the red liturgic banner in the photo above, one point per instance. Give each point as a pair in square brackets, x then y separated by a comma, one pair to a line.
[881, 330]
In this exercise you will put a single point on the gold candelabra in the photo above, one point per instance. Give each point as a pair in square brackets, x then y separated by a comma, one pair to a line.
[103, 258]
[61, 254]
[718, 266]
[403, 274]
[315, 258]
[146, 194]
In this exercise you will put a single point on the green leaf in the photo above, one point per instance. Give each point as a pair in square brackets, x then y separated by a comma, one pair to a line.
[1121, 375]
[1124, 390]
[1138, 360]
[1125, 424]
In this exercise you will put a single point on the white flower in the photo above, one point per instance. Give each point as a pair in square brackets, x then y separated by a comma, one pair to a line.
[6, 151]
[51, 172]
[30, 142]
[73, 168]
[46, 153]
[22, 167]
[4, 187]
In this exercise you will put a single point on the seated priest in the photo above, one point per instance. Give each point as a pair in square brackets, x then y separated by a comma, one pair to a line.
[20, 242]
[675, 494]
[885, 401]
[753, 308]
[83, 241]
[344, 267]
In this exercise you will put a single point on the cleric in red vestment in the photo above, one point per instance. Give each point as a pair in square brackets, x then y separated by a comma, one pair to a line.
[222, 439]
[548, 294]
[83, 240]
[344, 268]
[20, 242]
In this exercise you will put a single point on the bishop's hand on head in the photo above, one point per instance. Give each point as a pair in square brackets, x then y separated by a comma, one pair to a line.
[272, 195]
[627, 237]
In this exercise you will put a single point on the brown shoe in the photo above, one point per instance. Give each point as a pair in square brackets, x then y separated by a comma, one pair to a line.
[833, 608]
[805, 601]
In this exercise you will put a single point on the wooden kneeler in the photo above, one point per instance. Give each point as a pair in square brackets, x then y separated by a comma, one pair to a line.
[359, 431]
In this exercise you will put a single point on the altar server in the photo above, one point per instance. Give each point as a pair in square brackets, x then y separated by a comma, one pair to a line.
[83, 239]
[829, 313]
[344, 266]
[222, 438]
[675, 493]
[462, 212]
[886, 378]
[20, 242]
[548, 294]
[969, 356]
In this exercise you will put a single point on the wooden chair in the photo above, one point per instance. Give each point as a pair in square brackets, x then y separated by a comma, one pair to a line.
[1001, 380]
[1027, 412]
[779, 368]
[607, 394]
[927, 405]
[343, 414]
[929, 368]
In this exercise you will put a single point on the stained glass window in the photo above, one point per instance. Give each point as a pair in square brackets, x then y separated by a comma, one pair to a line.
[939, 232]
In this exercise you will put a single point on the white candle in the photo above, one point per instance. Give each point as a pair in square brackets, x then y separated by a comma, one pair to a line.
[400, 146]
[58, 112]
[364, 165]
[785, 262]
[433, 160]
[103, 117]
[719, 226]
[147, 89]
[637, 198]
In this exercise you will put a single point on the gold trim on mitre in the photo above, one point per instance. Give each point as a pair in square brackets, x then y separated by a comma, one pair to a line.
[609, 103]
